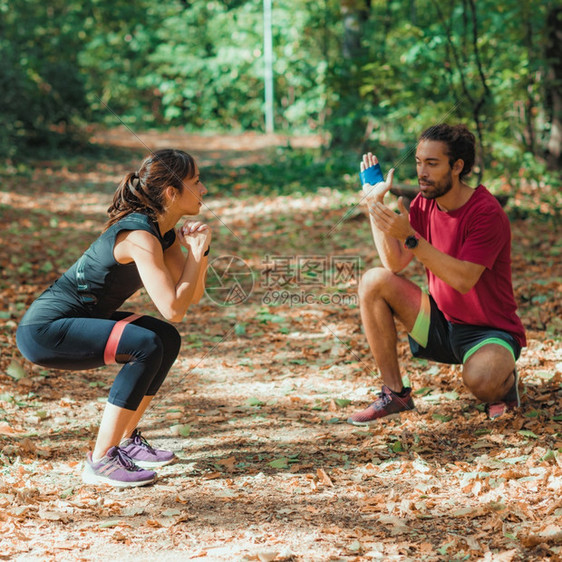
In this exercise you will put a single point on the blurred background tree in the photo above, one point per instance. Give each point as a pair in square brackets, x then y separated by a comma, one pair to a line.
[361, 72]
[42, 88]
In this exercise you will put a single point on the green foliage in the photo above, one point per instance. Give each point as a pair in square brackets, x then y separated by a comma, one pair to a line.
[430, 62]
[201, 65]
[287, 171]
[198, 77]
[365, 74]
[41, 84]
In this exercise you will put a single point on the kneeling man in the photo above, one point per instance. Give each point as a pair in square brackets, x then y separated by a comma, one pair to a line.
[462, 236]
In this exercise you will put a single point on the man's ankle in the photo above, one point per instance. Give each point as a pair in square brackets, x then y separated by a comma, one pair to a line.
[402, 392]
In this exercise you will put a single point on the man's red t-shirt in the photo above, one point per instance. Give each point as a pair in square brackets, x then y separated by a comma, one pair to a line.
[477, 232]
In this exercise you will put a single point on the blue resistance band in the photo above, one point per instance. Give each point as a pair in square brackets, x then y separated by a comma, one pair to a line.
[372, 175]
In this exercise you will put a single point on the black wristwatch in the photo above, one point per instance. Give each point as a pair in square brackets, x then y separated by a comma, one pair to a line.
[412, 242]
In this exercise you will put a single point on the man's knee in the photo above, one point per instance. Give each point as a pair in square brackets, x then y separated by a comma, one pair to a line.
[486, 372]
[373, 282]
[480, 383]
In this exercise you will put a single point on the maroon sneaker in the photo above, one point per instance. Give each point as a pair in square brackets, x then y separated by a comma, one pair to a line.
[143, 454]
[116, 469]
[386, 404]
[511, 401]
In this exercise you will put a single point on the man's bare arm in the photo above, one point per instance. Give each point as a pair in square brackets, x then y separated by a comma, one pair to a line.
[459, 274]
[392, 255]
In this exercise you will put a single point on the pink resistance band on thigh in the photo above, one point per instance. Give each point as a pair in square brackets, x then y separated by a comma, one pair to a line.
[115, 337]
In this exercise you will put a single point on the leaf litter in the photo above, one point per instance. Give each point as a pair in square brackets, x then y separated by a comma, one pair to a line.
[255, 408]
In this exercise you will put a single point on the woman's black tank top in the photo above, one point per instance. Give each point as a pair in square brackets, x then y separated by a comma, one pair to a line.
[96, 285]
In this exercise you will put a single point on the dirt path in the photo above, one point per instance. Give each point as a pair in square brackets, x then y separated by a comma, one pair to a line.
[255, 407]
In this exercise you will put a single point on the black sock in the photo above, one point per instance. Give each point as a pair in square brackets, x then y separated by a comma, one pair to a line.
[402, 393]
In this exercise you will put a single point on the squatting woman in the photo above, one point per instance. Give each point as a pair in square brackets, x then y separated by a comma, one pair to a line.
[76, 323]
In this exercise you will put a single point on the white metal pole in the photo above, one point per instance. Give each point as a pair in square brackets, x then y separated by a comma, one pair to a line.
[268, 63]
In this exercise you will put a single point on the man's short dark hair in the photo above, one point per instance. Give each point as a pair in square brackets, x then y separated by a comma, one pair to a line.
[460, 143]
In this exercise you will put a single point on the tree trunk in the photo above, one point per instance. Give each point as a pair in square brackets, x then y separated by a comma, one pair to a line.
[553, 86]
[354, 14]
[347, 120]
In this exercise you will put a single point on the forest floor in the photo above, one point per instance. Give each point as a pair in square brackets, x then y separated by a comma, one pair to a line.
[255, 406]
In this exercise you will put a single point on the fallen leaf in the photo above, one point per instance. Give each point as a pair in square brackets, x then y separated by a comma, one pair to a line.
[228, 463]
[528, 433]
[279, 463]
[323, 477]
[107, 524]
[212, 475]
[16, 370]
[7, 429]
[182, 430]
[552, 534]
[171, 512]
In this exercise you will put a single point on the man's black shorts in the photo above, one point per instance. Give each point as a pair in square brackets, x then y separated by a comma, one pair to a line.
[455, 343]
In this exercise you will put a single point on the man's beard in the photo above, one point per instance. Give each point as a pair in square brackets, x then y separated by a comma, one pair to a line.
[438, 189]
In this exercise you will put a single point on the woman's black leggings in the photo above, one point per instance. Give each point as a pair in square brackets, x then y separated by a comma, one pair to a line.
[147, 347]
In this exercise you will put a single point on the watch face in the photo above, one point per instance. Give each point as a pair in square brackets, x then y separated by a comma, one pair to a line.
[411, 242]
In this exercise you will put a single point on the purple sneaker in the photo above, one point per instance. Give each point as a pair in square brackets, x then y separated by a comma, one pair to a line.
[386, 404]
[511, 401]
[116, 469]
[143, 455]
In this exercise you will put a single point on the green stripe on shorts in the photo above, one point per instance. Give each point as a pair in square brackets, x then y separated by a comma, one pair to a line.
[420, 331]
[497, 341]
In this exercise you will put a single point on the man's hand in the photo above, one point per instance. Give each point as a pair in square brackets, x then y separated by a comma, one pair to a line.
[375, 193]
[396, 225]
